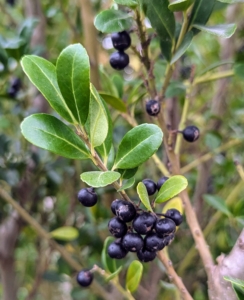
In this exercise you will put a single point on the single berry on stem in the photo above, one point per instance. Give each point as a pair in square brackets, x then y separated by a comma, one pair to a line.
[161, 181]
[121, 40]
[132, 242]
[144, 222]
[174, 215]
[150, 186]
[191, 133]
[126, 211]
[84, 278]
[119, 60]
[165, 226]
[87, 197]
[117, 227]
[116, 250]
[153, 107]
[145, 255]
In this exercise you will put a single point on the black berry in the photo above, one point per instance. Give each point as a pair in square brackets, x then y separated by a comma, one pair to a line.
[14, 87]
[84, 278]
[161, 181]
[145, 255]
[10, 2]
[119, 60]
[153, 242]
[132, 242]
[144, 222]
[191, 133]
[121, 40]
[126, 211]
[168, 239]
[115, 204]
[153, 107]
[165, 226]
[87, 197]
[116, 250]
[150, 186]
[185, 72]
[175, 215]
[117, 227]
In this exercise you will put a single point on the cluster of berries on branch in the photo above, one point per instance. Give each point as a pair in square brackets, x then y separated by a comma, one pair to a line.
[121, 41]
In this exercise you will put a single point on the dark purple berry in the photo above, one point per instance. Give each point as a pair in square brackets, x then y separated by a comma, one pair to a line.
[191, 133]
[87, 197]
[117, 227]
[153, 242]
[153, 107]
[116, 250]
[84, 278]
[150, 186]
[145, 255]
[175, 215]
[144, 222]
[161, 181]
[126, 211]
[121, 40]
[115, 204]
[165, 226]
[185, 72]
[169, 239]
[10, 2]
[132, 242]
[119, 60]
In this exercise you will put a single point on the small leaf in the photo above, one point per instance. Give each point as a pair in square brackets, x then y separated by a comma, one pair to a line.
[215, 65]
[183, 47]
[143, 195]
[99, 178]
[180, 5]
[65, 233]
[109, 21]
[127, 184]
[133, 276]
[218, 203]
[138, 145]
[49, 133]
[73, 74]
[109, 264]
[115, 102]
[172, 187]
[115, 274]
[130, 3]
[223, 30]
[127, 173]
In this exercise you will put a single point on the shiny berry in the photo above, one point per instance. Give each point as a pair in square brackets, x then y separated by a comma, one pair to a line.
[132, 242]
[191, 133]
[165, 226]
[174, 215]
[169, 239]
[153, 242]
[121, 40]
[116, 250]
[87, 197]
[115, 204]
[150, 186]
[117, 227]
[145, 255]
[84, 278]
[144, 222]
[119, 60]
[126, 211]
[153, 107]
[161, 181]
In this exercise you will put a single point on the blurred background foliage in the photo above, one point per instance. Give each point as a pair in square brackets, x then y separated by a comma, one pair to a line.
[46, 185]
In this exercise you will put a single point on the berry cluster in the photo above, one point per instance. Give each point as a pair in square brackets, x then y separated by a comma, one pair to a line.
[121, 41]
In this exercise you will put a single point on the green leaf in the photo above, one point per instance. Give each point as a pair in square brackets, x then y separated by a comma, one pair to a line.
[49, 133]
[143, 195]
[172, 187]
[127, 173]
[115, 274]
[223, 30]
[98, 121]
[133, 276]
[109, 264]
[183, 47]
[73, 74]
[99, 178]
[236, 281]
[3, 56]
[175, 88]
[42, 74]
[231, 1]
[108, 86]
[65, 233]
[237, 285]
[163, 21]
[218, 203]
[138, 145]
[115, 102]
[127, 184]
[239, 70]
[14, 47]
[118, 82]
[27, 27]
[130, 3]
[180, 5]
[215, 65]
[109, 21]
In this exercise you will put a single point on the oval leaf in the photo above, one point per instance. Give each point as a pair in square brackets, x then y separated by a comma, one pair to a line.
[109, 264]
[109, 21]
[172, 187]
[99, 179]
[138, 145]
[133, 276]
[143, 195]
[180, 5]
[42, 74]
[127, 184]
[218, 203]
[115, 274]
[115, 102]
[49, 133]
[73, 74]
[65, 233]
[183, 47]
[223, 30]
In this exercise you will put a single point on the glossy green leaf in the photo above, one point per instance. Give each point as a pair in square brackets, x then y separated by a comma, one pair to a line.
[27, 27]
[163, 21]
[223, 30]
[143, 195]
[133, 276]
[65, 233]
[237, 285]
[111, 20]
[215, 65]
[138, 145]
[236, 281]
[218, 203]
[130, 3]
[172, 187]
[127, 184]
[42, 74]
[180, 5]
[50, 133]
[115, 102]
[115, 274]
[109, 264]
[73, 74]
[15, 47]
[99, 178]
[98, 121]
[127, 173]
[183, 47]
